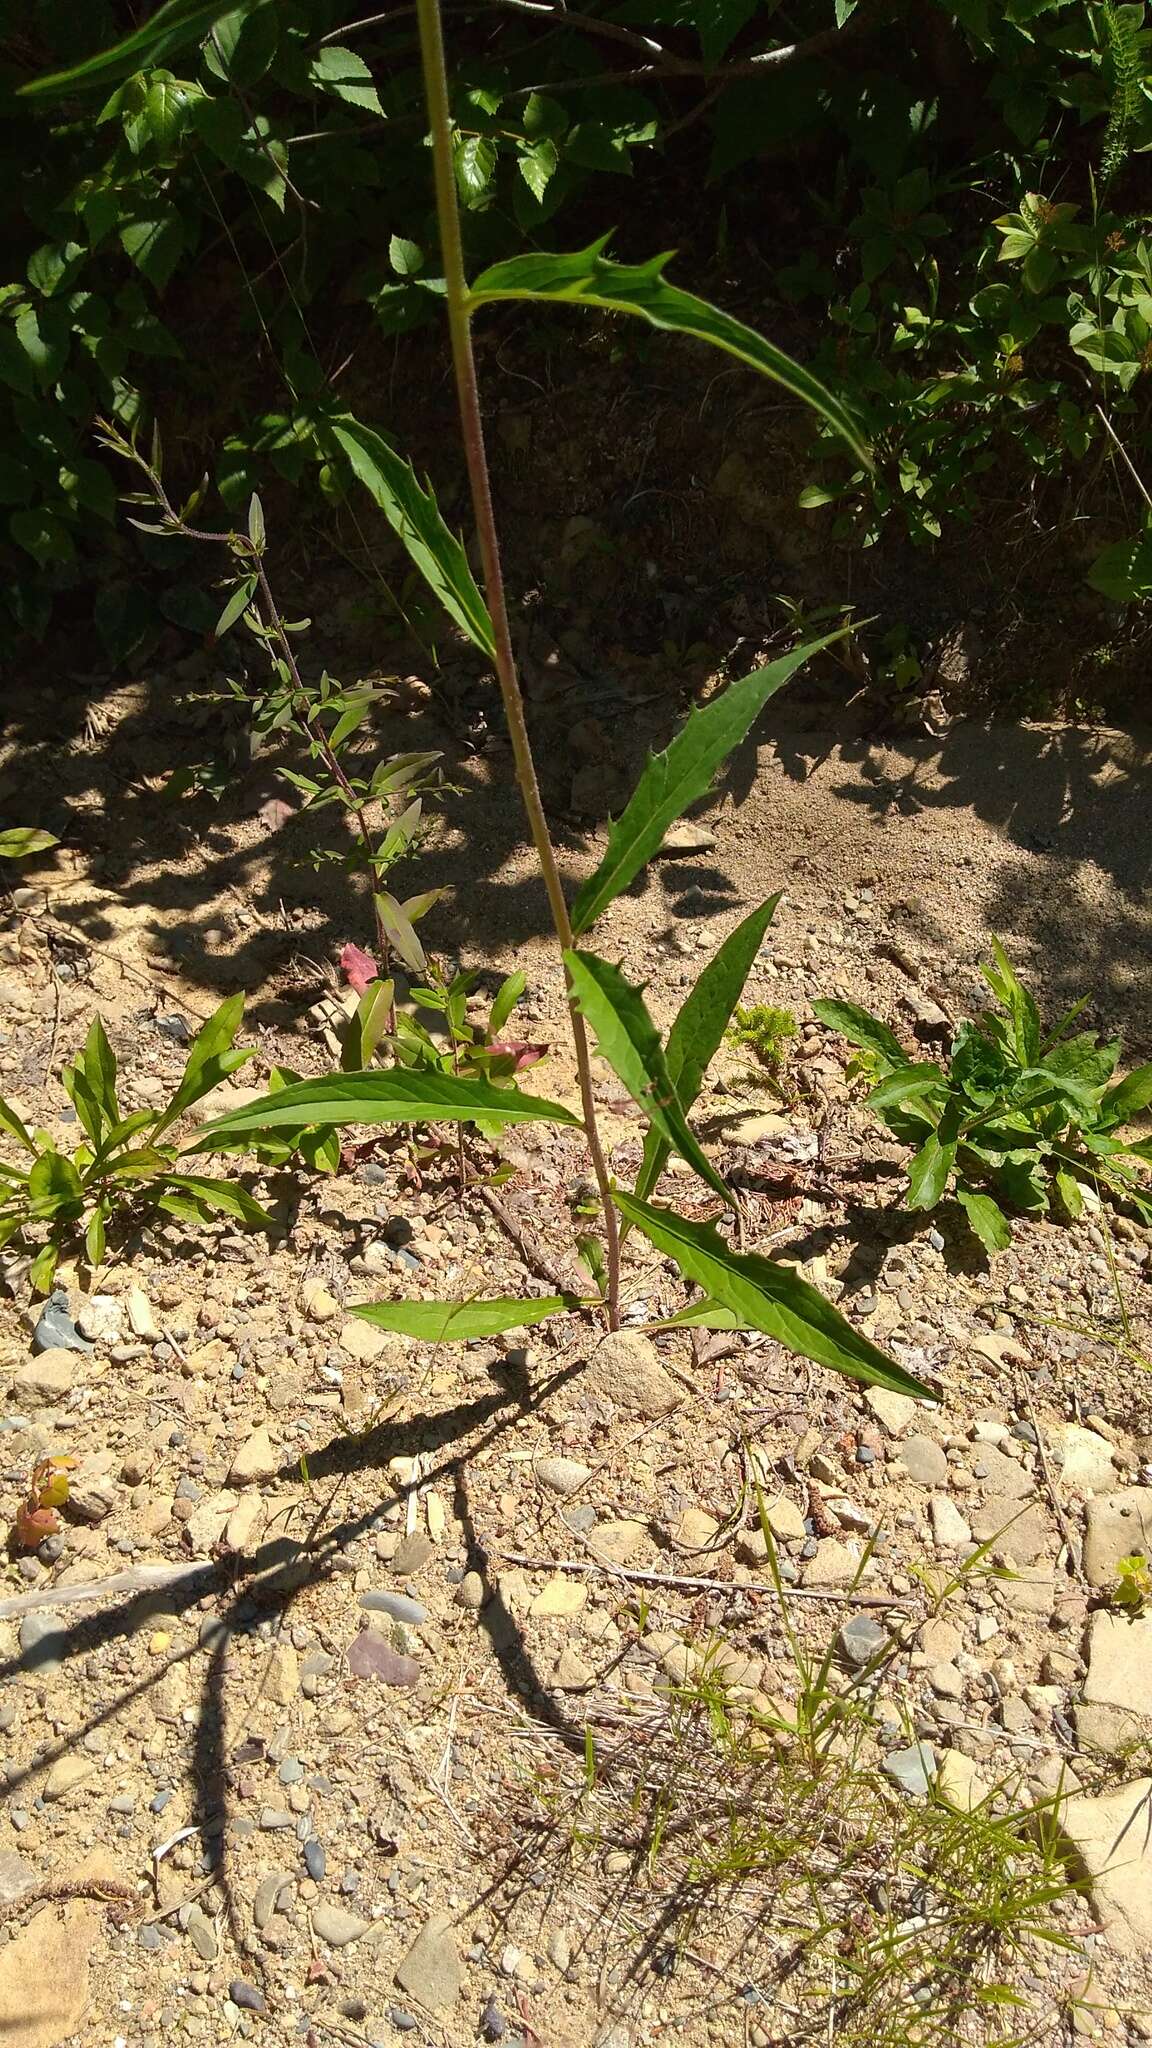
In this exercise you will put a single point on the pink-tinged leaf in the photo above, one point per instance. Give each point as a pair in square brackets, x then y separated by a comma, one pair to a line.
[33, 1524]
[522, 1055]
[358, 967]
[370, 1656]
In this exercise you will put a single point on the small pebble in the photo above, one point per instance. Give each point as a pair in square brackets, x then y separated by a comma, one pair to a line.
[246, 1995]
[315, 1859]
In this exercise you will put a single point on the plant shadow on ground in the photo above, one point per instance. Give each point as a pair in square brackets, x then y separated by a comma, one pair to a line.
[768, 1826]
[231, 901]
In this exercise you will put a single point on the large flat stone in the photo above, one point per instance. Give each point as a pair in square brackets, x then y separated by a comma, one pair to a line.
[1119, 1525]
[1115, 1710]
[1109, 1846]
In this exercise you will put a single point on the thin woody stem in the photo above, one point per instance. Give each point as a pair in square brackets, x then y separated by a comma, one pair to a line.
[472, 434]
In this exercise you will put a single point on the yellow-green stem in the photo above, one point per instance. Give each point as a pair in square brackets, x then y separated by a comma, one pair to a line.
[472, 434]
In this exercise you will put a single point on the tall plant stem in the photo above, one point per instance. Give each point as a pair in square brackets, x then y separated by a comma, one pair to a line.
[472, 434]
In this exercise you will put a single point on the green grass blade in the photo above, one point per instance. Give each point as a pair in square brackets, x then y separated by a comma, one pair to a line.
[400, 1096]
[171, 28]
[586, 277]
[700, 1025]
[437, 1322]
[630, 1042]
[684, 771]
[414, 517]
[766, 1296]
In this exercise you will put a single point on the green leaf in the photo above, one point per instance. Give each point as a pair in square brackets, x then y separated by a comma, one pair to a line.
[168, 29]
[537, 166]
[507, 996]
[674, 779]
[14, 1125]
[99, 1064]
[987, 1219]
[42, 1271]
[700, 1026]
[474, 158]
[406, 258]
[400, 1096]
[1009, 990]
[345, 75]
[1070, 1192]
[155, 241]
[1123, 571]
[766, 1296]
[243, 42]
[587, 277]
[704, 1314]
[929, 1171]
[210, 1059]
[1126, 1100]
[21, 840]
[366, 1027]
[54, 1187]
[906, 1084]
[95, 1236]
[235, 608]
[400, 933]
[628, 1039]
[863, 1030]
[223, 1195]
[436, 1322]
[414, 517]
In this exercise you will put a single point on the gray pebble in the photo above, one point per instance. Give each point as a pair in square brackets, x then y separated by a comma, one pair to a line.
[315, 1859]
[43, 1643]
[246, 1995]
[150, 1938]
[55, 1329]
[291, 1771]
[157, 1804]
[397, 1605]
[401, 2020]
[862, 1639]
[912, 1769]
[272, 1817]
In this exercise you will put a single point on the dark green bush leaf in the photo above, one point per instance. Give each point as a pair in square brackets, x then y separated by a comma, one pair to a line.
[907, 1084]
[345, 75]
[1126, 1100]
[168, 29]
[929, 1171]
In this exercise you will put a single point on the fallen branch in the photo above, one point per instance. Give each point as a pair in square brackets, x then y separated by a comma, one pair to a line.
[731, 1590]
[142, 1578]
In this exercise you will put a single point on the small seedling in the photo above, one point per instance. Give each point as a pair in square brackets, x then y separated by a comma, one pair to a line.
[126, 1161]
[765, 1033]
[1132, 1592]
[36, 1516]
[1034, 1117]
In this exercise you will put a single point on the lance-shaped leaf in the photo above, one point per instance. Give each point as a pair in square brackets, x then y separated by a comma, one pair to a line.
[674, 779]
[989, 1221]
[1126, 1100]
[588, 278]
[169, 29]
[630, 1042]
[437, 1322]
[21, 840]
[766, 1296]
[400, 1096]
[223, 1195]
[864, 1030]
[414, 517]
[700, 1025]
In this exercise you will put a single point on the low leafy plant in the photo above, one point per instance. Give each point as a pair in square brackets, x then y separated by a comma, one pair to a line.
[1019, 1119]
[766, 1033]
[48, 1489]
[1132, 1592]
[126, 1162]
